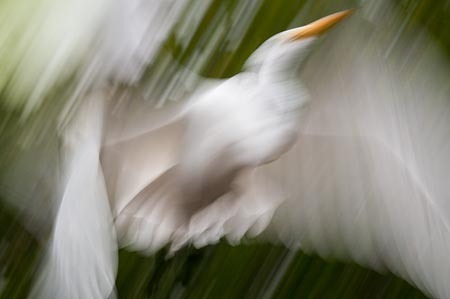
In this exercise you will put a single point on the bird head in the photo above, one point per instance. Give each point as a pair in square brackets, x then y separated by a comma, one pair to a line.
[286, 50]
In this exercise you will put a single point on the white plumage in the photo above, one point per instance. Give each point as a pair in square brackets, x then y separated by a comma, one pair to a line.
[358, 173]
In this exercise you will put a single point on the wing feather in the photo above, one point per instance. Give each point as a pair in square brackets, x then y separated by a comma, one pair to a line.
[367, 180]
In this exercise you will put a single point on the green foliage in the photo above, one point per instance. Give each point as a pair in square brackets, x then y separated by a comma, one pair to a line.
[251, 271]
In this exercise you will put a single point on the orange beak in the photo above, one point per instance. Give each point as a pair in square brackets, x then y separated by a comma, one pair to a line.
[320, 26]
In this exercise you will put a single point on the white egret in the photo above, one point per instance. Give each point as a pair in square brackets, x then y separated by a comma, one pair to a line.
[261, 105]
[358, 184]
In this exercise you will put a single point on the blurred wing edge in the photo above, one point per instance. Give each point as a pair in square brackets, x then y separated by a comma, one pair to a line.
[81, 260]
[351, 198]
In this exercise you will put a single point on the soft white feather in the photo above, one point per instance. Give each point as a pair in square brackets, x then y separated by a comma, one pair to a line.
[366, 180]
[81, 259]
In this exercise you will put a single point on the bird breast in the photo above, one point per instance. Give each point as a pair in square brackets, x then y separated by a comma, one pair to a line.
[237, 125]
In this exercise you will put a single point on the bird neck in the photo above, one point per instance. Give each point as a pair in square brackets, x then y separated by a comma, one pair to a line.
[282, 70]
[281, 76]
[281, 63]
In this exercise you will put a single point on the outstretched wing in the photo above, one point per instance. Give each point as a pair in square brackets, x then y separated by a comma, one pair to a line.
[82, 255]
[367, 180]
[354, 199]
[136, 158]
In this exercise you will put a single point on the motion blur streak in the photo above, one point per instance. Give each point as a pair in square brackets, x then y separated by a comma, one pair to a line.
[170, 129]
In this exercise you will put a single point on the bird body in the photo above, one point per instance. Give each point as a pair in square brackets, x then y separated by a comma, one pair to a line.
[238, 125]
[247, 128]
